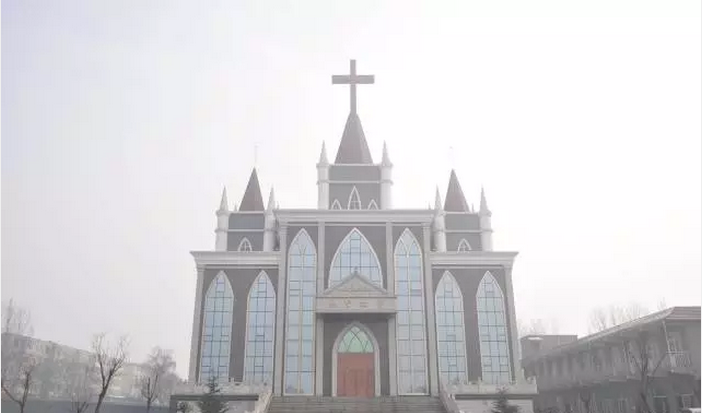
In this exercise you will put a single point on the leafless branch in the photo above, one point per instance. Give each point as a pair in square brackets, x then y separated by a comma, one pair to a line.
[109, 362]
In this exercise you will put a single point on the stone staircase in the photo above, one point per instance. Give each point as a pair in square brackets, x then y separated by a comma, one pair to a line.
[385, 404]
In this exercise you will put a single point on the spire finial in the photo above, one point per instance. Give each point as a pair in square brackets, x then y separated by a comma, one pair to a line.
[353, 79]
[323, 155]
[271, 200]
[483, 202]
[437, 200]
[386, 157]
[224, 204]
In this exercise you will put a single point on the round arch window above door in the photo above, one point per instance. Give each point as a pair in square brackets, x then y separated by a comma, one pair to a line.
[355, 363]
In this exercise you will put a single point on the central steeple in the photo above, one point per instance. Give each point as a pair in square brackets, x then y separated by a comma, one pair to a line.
[353, 148]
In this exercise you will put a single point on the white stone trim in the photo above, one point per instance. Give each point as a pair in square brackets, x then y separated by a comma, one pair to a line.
[503, 258]
[392, 327]
[197, 319]
[229, 258]
[254, 230]
[514, 353]
[319, 333]
[336, 205]
[404, 216]
[372, 205]
[376, 356]
[357, 198]
[280, 313]
[244, 241]
[338, 250]
[432, 359]
[464, 242]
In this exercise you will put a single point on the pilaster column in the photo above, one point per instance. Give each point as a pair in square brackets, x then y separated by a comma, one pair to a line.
[319, 328]
[514, 340]
[197, 317]
[280, 311]
[432, 359]
[392, 322]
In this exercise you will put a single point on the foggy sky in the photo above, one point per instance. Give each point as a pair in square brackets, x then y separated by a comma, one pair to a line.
[123, 120]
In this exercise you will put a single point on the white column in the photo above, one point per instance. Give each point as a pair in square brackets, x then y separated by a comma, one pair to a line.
[386, 187]
[432, 359]
[516, 363]
[197, 317]
[322, 186]
[280, 312]
[392, 326]
[486, 231]
[221, 232]
[319, 329]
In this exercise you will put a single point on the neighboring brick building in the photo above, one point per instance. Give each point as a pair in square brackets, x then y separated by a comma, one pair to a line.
[602, 373]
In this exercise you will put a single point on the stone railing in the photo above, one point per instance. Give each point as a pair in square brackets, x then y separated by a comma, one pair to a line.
[226, 388]
[523, 386]
[264, 400]
[447, 400]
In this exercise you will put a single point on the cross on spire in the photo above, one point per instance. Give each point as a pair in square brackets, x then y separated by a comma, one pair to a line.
[353, 79]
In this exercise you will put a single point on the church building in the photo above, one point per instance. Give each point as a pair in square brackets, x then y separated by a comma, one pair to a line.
[358, 297]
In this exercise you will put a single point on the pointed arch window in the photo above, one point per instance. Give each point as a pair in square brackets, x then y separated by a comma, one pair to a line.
[299, 328]
[450, 331]
[336, 204]
[354, 200]
[372, 204]
[355, 341]
[355, 254]
[245, 245]
[411, 330]
[464, 246]
[492, 327]
[260, 330]
[217, 329]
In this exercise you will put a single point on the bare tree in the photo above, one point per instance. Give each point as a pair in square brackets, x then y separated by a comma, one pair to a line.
[18, 366]
[109, 361]
[644, 358]
[537, 326]
[81, 379]
[160, 366]
[604, 318]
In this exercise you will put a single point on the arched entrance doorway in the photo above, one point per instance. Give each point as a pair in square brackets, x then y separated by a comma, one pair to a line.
[355, 363]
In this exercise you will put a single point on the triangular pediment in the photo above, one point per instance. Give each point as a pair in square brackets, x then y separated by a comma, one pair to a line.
[356, 285]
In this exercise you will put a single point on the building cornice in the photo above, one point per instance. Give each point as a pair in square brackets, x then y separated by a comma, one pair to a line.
[236, 258]
[419, 216]
[504, 258]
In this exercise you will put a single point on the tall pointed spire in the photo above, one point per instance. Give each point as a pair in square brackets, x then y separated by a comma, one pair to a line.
[323, 161]
[252, 200]
[386, 157]
[271, 200]
[437, 200]
[224, 204]
[483, 202]
[455, 200]
[353, 148]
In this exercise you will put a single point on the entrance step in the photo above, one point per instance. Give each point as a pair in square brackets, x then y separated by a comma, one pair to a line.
[385, 404]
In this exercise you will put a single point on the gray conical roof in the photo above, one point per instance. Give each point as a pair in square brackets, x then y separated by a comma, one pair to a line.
[455, 200]
[353, 148]
[252, 200]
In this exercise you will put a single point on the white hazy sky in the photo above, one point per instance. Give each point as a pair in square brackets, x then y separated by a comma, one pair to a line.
[122, 120]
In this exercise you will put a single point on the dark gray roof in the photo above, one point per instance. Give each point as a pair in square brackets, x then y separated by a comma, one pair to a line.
[670, 314]
[353, 148]
[252, 200]
[455, 200]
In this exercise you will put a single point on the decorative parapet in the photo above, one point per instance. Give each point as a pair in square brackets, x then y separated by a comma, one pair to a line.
[264, 400]
[226, 388]
[520, 387]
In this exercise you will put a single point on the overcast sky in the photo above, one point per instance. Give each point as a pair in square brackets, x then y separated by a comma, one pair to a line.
[123, 120]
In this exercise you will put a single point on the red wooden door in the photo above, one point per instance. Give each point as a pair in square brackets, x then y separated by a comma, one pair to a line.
[355, 375]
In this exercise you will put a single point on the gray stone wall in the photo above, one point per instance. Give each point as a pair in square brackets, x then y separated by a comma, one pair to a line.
[366, 193]
[454, 238]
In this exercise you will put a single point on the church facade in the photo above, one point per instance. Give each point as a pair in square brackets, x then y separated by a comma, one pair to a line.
[356, 297]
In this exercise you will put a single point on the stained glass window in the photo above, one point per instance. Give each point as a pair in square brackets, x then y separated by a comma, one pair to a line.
[355, 341]
[216, 340]
[355, 254]
[450, 331]
[299, 328]
[260, 313]
[492, 326]
[411, 330]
